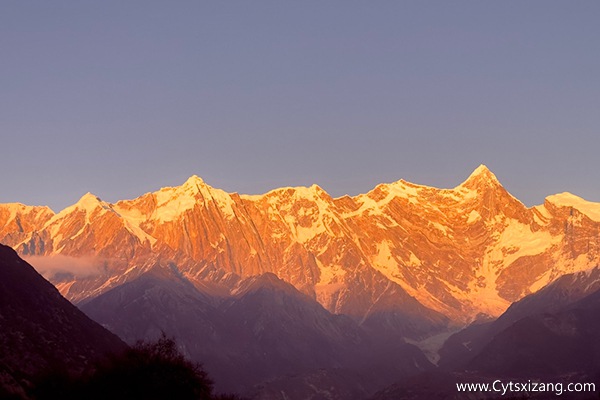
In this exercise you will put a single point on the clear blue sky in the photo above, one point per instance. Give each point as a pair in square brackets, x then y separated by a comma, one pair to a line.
[124, 97]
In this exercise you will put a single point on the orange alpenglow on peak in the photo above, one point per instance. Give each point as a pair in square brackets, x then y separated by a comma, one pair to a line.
[566, 199]
[88, 201]
[481, 176]
[476, 237]
[194, 180]
[195, 184]
[88, 197]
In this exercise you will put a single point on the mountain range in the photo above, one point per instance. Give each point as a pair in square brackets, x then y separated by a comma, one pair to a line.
[294, 274]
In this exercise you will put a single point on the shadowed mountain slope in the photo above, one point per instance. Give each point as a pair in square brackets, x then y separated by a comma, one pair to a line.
[264, 336]
[40, 331]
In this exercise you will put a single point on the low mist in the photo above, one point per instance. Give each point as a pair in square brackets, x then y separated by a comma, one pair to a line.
[80, 267]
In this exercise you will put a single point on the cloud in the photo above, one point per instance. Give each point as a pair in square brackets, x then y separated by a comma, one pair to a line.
[80, 267]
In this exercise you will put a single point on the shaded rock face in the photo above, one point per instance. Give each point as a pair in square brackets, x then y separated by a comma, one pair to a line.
[553, 331]
[40, 331]
[552, 335]
[265, 340]
[401, 249]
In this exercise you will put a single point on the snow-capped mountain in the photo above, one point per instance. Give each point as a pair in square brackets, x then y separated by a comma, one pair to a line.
[401, 252]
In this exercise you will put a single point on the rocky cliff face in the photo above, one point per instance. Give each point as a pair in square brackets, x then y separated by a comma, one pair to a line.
[400, 251]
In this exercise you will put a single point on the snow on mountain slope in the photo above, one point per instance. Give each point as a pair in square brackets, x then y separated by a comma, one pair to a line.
[587, 208]
[460, 252]
[18, 221]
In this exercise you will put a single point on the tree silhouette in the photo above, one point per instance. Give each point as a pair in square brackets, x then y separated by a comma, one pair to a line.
[149, 371]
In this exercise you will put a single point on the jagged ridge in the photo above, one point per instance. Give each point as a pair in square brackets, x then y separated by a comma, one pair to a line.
[400, 252]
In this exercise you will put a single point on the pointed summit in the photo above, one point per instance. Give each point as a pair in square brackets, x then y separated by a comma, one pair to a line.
[482, 170]
[193, 186]
[173, 201]
[89, 197]
[481, 177]
[88, 202]
[194, 180]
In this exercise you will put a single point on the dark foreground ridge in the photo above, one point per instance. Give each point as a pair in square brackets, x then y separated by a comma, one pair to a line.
[40, 330]
[154, 370]
[49, 349]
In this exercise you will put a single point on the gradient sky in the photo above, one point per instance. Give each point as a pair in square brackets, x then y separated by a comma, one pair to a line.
[120, 98]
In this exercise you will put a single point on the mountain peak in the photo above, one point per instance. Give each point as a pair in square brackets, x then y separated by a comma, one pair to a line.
[482, 170]
[312, 190]
[265, 281]
[193, 185]
[88, 201]
[482, 176]
[194, 180]
[89, 196]
[566, 199]
[172, 201]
